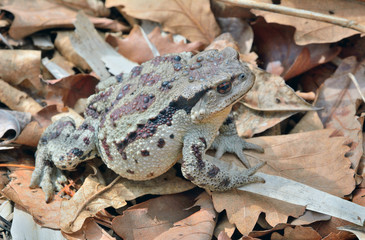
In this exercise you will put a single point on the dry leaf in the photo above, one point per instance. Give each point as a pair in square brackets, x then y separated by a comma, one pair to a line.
[143, 53]
[199, 24]
[32, 200]
[240, 30]
[200, 225]
[11, 123]
[63, 44]
[268, 102]
[166, 216]
[72, 88]
[96, 52]
[310, 217]
[90, 231]
[281, 56]
[244, 208]
[309, 122]
[30, 135]
[297, 233]
[36, 15]
[311, 31]
[225, 226]
[16, 66]
[315, 158]
[90, 198]
[17, 100]
[338, 97]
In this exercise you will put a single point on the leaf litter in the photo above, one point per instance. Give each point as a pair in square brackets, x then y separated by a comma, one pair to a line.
[313, 151]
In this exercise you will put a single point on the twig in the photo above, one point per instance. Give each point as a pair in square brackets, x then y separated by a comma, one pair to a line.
[343, 22]
[352, 77]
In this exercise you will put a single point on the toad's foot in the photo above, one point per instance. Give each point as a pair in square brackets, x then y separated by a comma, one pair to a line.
[234, 144]
[47, 177]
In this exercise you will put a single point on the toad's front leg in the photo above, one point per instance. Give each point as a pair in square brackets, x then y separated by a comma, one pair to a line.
[211, 173]
[63, 146]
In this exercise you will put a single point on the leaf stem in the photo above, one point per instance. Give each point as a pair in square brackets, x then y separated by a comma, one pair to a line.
[343, 22]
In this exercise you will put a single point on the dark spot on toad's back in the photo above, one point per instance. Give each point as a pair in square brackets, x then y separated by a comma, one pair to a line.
[161, 143]
[86, 140]
[106, 149]
[130, 171]
[225, 182]
[213, 171]
[203, 141]
[136, 71]
[145, 153]
[77, 152]
[172, 136]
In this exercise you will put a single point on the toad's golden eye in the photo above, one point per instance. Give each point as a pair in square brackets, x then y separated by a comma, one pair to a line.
[224, 87]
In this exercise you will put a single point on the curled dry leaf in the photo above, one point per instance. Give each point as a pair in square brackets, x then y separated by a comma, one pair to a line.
[311, 31]
[281, 56]
[192, 19]
[16, 66]
[36, 15]
[30, 135]
[268, 102]
[11, 123]
[243, 209]
[91, 7]
[17, 100]
[143, 53]
[338, 97]
[167, 216]
[84, 203]
[32, 200]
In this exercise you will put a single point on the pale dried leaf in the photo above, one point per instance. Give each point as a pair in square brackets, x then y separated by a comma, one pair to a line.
[309, 122]
[225, 226]
[63, 44]
[357, 230]
[244, 208]
[90, 231]
[11, 123]
[96, 51]
[122, 191]
[311, 31]
[268, 102]
[338, 98]
[189, 18]
[310, 217]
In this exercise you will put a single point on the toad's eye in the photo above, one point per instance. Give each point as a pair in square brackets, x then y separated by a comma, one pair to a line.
[241, 76]
[224, 87]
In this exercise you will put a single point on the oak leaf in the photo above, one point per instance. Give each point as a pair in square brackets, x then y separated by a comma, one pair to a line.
[192, 19]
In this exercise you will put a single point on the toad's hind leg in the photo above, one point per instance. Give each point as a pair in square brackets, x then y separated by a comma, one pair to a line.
[64, 146]
[209, 172]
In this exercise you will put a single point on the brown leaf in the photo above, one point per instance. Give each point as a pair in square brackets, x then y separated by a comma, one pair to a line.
[338, 97]
[244, 208]
[84, 203]
[268, 102]
[36, 15]
[315, 158]
[32, 200]
[90, 231]
[311, 31]
[72, 88]
[143, 53]
[192, 19]
[297, 233]
[30, 134]
[17, 100]
[281, 56]
[166, 216]
[17, 66]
